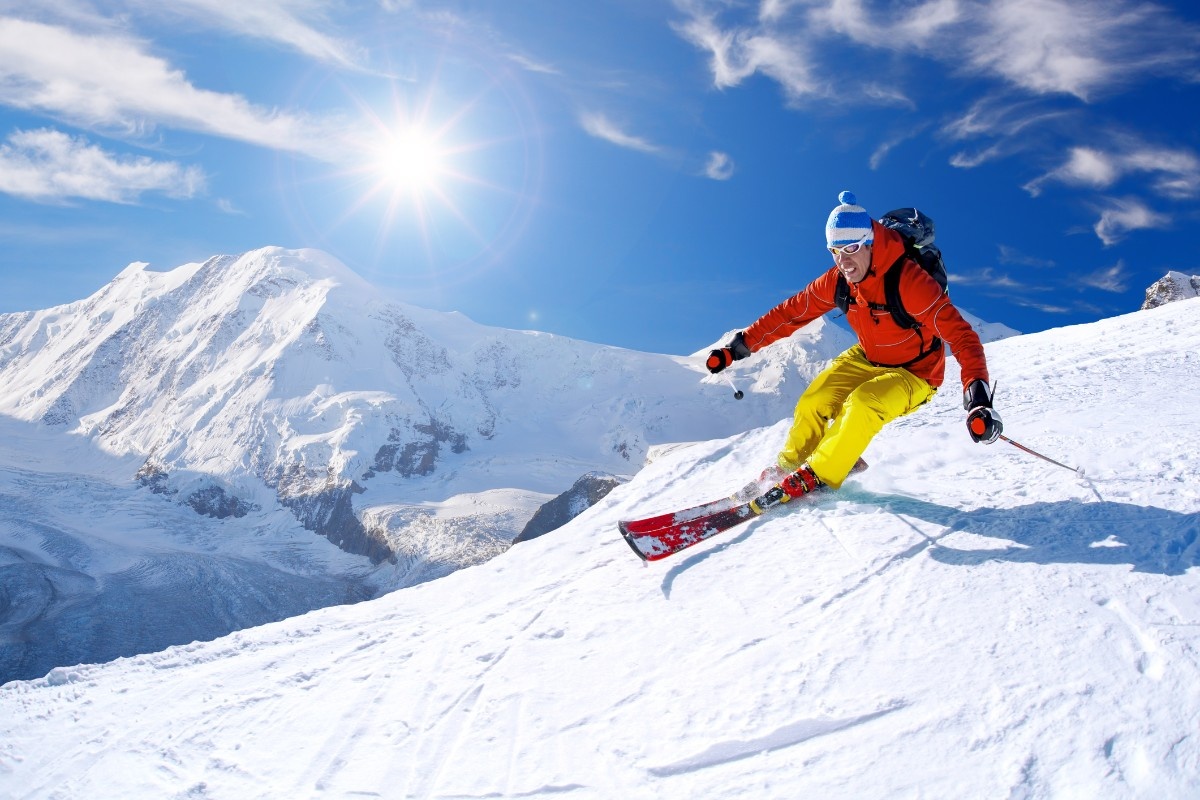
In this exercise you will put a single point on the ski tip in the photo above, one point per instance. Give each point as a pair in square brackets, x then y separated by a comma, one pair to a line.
[627, 535]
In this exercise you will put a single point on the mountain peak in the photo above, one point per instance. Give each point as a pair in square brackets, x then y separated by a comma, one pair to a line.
[1171, 287]
[279, 265]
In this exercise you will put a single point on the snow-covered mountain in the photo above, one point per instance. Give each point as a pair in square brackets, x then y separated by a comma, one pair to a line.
[167, 441]
[1171, 287]
[959, 621]
[280, 376]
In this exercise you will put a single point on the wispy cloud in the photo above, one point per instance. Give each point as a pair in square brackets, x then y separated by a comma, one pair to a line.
[299, 24]
[999, 116]
[1041, 46]
[1010, 255]
[108, 81]
[884, 149]
[1119, 216]
[1035, 48]
[914, 29]
[719, 166]
[1046, 308]
[50, 166]
[226, 206]
[1111, 279]
[737, 53]
[1005, 125]
[531, 65]
[989, 278]
[600, 126]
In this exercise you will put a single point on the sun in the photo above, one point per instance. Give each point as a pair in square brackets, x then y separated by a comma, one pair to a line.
[436, 180]
[411, 158]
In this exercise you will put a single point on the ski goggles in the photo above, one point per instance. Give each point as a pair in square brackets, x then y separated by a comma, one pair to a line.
[848, 249]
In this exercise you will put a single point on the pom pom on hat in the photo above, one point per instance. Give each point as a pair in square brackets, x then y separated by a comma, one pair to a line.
[848, 223]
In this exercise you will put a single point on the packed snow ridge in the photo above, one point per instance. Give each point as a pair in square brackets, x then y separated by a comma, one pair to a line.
[958, 621]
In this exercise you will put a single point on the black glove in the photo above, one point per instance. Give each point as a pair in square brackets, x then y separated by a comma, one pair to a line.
[983, 423]
[736, 350]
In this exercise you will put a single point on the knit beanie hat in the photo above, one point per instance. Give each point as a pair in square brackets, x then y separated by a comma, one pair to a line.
[848, 223]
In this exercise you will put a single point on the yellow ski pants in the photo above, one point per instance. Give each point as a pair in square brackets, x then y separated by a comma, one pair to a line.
[842, 410]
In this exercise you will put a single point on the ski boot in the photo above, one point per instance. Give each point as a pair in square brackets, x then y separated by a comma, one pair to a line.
[798, 483]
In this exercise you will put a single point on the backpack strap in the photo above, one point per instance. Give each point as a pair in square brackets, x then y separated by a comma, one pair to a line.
[891, 292]
[841, 295]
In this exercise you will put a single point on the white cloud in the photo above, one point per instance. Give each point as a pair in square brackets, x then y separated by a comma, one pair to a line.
[108, 81]
[775, 10]
[1090, 168]
[719, 166]
[1176, 172]
[1084, 167]
[1120, 216]
[1081, 49]
[602, 127]
[911, 30]
[50, 166]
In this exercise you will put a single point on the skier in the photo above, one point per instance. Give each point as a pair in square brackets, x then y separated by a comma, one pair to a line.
[892, 370]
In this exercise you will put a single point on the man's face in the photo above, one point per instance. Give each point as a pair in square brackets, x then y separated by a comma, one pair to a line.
[854, 266]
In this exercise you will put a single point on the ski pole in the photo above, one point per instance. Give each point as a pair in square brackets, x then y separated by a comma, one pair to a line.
[1020, 446]
[737, 393]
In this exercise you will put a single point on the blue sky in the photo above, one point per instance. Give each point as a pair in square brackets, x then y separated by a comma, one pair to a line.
[638, 173]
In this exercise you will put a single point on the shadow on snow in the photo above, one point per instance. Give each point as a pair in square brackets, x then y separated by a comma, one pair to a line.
[1062, 532]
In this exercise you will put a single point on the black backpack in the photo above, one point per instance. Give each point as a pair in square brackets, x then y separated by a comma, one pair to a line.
[917, 231]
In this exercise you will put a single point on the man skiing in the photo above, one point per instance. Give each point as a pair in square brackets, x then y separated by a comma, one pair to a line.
[892, 370]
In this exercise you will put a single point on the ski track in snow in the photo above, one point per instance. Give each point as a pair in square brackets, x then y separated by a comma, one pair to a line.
[959, 621]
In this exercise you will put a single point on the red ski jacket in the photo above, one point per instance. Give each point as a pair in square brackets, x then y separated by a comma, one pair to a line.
[884, 342]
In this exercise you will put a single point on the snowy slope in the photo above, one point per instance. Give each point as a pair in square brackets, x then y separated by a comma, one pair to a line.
[165, 443]
[959, 621]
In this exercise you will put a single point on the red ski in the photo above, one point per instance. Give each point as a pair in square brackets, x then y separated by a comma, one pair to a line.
[666, 534]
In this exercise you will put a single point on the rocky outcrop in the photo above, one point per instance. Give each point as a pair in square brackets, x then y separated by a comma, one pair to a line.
[416, 453]
[211, 501]
[1173, 286]
[324, 505]
[585, 493]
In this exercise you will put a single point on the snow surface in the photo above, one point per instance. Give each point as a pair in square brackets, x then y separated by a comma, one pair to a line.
[960, 621]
